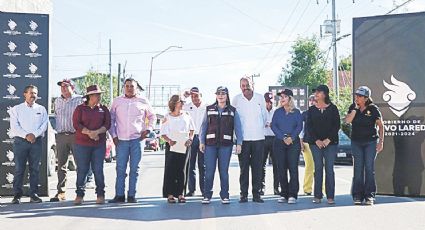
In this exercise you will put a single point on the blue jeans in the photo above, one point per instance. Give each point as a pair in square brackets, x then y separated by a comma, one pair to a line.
[287, 157]
[364, 184]
[87, 156]
[196, 154]
[329, 155]
[128, 151]
[25, 151]
[223, 155]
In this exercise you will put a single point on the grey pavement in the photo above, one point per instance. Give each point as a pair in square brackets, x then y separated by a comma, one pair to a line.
[153, 212]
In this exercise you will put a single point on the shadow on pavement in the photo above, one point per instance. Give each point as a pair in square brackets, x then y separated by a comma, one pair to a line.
[156, 208]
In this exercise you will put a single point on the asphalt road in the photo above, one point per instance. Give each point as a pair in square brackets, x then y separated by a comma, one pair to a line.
[153, 212]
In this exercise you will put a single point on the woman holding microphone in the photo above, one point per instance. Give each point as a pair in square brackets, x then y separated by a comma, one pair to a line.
[366, 120]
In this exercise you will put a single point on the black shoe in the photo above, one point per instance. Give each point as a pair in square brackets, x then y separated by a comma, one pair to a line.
[131, 199]
[307, 193]
[243, 199]
[35, 199]
[189, 194]
[117, 199]
[262, 192]
[257, 200]
[16, 199]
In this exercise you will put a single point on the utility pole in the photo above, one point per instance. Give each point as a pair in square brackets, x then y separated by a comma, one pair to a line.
[119, 80]
[111, 87]
[335, 62]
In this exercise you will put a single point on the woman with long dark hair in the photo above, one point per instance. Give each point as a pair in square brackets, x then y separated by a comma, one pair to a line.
[323, 124]
[216, 141]
[176, 123]
[365, 118]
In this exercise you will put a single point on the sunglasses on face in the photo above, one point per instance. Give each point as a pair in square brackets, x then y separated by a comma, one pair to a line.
[221, 93]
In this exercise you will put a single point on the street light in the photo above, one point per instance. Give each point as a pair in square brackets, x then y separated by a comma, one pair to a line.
[150, 75]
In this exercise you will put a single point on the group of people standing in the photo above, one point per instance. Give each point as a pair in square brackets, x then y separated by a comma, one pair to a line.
[261, 132]
[202, 135]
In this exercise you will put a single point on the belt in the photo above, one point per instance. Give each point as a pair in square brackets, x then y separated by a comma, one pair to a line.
[66, 133]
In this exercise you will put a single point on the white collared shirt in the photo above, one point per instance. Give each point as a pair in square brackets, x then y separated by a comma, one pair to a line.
[253, 116]
[268, 130]
[25, 120]
[197, 114]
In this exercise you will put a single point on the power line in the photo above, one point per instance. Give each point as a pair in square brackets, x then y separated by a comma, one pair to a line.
[280, 33]
[398, 7]
[248, 16]
[179, 50]
[290, 34]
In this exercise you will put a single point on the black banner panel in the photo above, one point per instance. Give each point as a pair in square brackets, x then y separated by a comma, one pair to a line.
[389, 57]
[24, 60]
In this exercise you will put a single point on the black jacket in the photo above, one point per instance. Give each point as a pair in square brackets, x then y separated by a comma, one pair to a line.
[323, 124]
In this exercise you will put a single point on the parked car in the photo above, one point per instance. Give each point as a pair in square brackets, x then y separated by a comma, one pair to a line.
[344, 154]
[152, 142]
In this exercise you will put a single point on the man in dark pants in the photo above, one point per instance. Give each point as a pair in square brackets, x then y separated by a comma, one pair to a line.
[197, 110]
[65, 132]
[28, 123]
[268, 146]
[252, 111]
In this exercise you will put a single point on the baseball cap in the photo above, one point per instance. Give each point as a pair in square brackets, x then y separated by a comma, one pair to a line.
[194, 90]
[286, 92]
[363, 91]
[322, 88]
[222, 89]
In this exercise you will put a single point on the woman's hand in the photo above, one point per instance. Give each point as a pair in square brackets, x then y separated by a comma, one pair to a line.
[202, 148]
[188, 143]
[379, 146]
[238, 149]
[326, 142]
[288, 141]
[320, 144]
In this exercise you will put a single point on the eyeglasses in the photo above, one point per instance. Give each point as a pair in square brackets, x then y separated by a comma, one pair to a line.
[221, 93]
[181, 101]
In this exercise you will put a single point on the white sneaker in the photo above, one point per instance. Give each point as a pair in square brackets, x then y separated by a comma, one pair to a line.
[225, 201]
[206, 201]
[282, 200]
[292, 200]
[90, 185]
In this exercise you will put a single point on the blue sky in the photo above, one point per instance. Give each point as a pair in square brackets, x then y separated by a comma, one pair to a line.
[81, 29]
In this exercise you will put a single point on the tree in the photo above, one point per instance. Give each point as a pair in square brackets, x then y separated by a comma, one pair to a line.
[101, 79]
[306, 66]
[345, 64]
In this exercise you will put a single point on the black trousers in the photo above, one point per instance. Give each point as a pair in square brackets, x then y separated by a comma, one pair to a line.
[251, 155]
[175, 173]
[268, 151]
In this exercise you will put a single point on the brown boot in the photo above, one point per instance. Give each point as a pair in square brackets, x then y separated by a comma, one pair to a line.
[78, 200]
[100, 200]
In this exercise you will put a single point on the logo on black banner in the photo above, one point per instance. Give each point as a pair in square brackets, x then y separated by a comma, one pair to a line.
[12, 26]
[33, 47]
[11, 90]
[8, 112]
[10, 157]
[9, 180]
[33, 68]
[10, 139]
[399, 96]
[11, 67]
[33, 25]
[12, 47]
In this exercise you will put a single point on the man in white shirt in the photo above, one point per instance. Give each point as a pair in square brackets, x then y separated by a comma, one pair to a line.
[28, 123]
[268, 146]
[197, 110]
[252, 111]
